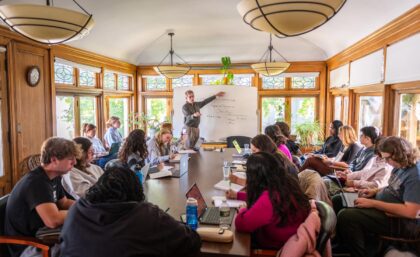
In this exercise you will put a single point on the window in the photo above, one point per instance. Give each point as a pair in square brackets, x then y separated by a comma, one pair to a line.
[157, 109]
[345, 110]
[123, 82]
[243, 80]
[120, 108]
[155, 83]
[87, 78]
[370, 111]
[87, 110]
[109, 80]
[273, 110]
[337, 107]
[409, 118]
[303, 110]
[184, 81]
[275, 82]
[303, 82]
[1, 143]
[65, 117]
[63, 74]
[211, 79]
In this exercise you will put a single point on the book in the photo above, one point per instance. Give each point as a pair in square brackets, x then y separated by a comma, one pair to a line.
[177, 158]
[349, 198]
[187, 151]
[217, 201]
[225, 185]
[165, 172]
[239, 162]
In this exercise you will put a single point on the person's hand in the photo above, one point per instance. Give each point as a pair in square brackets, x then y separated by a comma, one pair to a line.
[230, 194]
[342, 175]
[327, 162]
[367, 193]
[220, 94]
[160, 166]
[309, 155]
[347, 171]
[171, 156]
[364, 203]
[349, 183]
[242, 205]
[197, 114]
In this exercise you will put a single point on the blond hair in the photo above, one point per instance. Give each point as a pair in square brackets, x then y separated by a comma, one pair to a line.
[166, 125]
[349, 135]
[111, 121]
[158, 137]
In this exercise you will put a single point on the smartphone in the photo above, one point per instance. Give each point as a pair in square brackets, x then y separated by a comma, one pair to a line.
[183, 218]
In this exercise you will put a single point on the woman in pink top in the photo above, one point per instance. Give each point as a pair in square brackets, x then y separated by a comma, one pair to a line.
[276, 204]
[279, 139]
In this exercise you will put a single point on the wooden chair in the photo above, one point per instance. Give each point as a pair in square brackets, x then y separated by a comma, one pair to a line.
[19, 240]
[328, 222]
[29, 163]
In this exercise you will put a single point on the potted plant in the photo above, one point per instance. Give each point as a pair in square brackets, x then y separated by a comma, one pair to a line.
[309, 135]
[143, 121]
[227, 74]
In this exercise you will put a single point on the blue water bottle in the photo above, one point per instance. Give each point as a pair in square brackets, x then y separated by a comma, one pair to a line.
[139, 176]
[192, 216]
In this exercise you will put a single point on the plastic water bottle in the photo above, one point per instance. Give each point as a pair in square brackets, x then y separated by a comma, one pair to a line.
[192, 216]
[139, 176]
[224, 211]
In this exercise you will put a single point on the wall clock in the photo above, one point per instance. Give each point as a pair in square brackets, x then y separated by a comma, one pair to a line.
[33, 76]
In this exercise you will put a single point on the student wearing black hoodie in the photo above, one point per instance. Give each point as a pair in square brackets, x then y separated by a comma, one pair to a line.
[115, 220]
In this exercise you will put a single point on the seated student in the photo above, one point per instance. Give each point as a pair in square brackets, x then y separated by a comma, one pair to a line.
[333, 144]
[276, 205]
[279, 139]
[84, 174]
[38, 199]
[133, 152]
[291, 145]
[262, 143]
[347, 154]
[114, 219]
[376, 207]
[158, 152]
[89, 131]
[112, 134]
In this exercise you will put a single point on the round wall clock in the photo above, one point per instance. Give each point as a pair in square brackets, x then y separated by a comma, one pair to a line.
[33, 76]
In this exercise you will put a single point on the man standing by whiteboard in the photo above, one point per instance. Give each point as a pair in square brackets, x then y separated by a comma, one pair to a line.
[192, 115]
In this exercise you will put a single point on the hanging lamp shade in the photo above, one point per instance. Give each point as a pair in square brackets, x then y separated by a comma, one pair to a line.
[172, 71]
[270, 68]
[287, 18]
[46, 24]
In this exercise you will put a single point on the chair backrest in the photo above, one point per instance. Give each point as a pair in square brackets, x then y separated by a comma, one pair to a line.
[115, 163]
[29, 163]
[3, 204]
[328, 222]
[240, 139]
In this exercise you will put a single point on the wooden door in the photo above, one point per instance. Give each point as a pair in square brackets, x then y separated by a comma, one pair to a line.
[5, 171]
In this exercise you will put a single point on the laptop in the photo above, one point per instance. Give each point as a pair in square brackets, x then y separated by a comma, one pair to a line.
[182, 167]
[145, 171]
[348, 198]
[115, 147]
[206, 215]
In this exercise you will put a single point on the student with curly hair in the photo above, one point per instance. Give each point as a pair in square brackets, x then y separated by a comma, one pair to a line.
[376, 207]
[115, 220]
[276, 205]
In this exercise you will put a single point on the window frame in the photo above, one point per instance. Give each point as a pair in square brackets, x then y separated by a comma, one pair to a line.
[288, 85]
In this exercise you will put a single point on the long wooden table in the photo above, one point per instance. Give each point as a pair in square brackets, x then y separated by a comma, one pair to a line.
[205, 169]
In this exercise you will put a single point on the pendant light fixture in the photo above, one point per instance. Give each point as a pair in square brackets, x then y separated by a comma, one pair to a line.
[172, 71]
[288, 18]
[47, 24]
[269, 67]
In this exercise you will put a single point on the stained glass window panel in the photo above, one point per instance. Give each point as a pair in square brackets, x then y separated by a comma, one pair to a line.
[243, 80]
[184, 81]
[275, 82]
[303, 82]
[211, 79]
[87, 78]
[155, 83]
[109, 80]
[123, 82]
[63, 74]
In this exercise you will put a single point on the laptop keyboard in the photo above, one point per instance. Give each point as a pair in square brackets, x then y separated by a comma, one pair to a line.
[212, 216]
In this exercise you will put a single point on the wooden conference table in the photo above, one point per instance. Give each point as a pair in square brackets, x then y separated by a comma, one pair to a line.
[205, 169]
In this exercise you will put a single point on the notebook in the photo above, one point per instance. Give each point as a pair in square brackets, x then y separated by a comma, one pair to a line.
[217, 201]
[225, 185]
[206, 215]
[172, 171]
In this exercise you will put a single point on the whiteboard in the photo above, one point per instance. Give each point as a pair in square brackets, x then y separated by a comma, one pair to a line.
[234, 114]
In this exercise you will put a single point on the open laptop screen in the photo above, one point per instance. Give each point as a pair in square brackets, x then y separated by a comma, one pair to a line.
[195, 193]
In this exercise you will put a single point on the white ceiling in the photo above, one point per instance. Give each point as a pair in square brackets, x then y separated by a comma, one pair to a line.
[135, 31]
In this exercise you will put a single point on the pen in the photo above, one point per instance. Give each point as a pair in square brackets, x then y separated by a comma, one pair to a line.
[167, 210]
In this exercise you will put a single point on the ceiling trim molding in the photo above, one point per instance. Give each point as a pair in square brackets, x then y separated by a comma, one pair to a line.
[402, 27]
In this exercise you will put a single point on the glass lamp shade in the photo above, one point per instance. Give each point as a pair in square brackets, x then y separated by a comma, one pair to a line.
[270, 68]
[287, 18]
[172, 72]
[46, 24]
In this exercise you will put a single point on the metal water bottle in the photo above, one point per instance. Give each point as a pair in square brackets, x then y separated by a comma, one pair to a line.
[192, 216]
